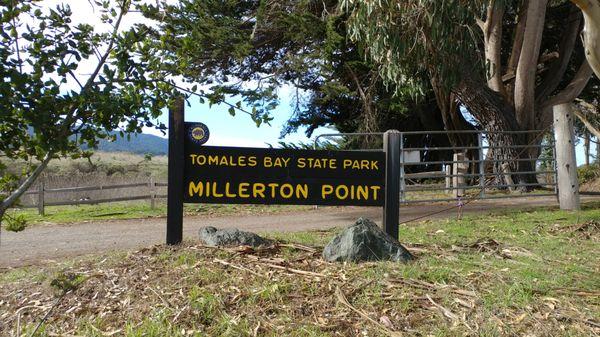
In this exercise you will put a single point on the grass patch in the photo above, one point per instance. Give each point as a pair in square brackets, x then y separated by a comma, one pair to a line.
[519, 273]
[138, 210]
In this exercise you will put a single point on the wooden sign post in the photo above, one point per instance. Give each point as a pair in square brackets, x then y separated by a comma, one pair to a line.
[236, 175]
[175, 180]
[391, 208]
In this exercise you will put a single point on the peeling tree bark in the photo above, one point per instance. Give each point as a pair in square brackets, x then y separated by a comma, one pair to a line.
[492, 32]
[591, 32]
[524, 96]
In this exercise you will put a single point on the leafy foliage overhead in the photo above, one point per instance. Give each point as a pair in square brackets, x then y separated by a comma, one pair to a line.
[408, 37]
[61, 79]
[65, 85]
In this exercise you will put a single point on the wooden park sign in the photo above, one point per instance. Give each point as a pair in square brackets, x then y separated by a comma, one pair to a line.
[236, 175]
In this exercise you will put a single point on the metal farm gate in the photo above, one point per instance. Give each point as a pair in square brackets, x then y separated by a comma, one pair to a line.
[450, 173]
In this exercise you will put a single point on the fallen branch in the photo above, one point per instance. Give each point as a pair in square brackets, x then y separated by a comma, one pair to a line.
[343, 300]
[49, 312]
[225, 263]
[446, 312]
[295, 271]
[298, 247]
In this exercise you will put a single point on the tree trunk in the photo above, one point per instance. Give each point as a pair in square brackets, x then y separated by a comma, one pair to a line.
[16, 194]
[451, 116]
[497, 116]
[591, 33]
[597, 150]
[586, 148]
[524, 95]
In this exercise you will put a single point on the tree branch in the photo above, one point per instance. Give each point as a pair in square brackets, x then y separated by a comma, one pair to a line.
[524, 94]
[591, 33]
[492, 32]
[16, 194]
[515, 54]
[574, 88]
[566, 46]
[591, 128]
[14, 21]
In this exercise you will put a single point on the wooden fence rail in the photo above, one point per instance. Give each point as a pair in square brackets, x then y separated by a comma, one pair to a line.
[41, 193]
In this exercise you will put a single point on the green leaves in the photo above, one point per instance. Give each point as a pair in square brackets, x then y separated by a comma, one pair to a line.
[16, 223]
[50, 100]
[409, 37]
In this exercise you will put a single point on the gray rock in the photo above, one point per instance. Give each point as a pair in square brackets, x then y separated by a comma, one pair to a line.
[365, 241]
[230, 237]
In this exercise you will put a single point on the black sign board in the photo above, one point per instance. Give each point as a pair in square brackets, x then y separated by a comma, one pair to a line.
[228, 175]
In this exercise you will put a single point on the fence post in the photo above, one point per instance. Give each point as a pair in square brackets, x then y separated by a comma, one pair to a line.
[402, 172]
[391, 208]
[568, 185]
[152, 187]
[175, 187]
[481, 165]
[448, 172]
[458, 172]
[40, 203]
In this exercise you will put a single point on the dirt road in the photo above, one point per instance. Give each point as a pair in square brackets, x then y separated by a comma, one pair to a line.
[45, 243]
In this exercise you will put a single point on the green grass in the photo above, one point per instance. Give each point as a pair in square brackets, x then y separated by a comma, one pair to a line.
[139, 210]
[516, 273]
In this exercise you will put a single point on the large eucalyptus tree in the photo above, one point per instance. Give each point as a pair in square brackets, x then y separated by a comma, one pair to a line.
[507, 61]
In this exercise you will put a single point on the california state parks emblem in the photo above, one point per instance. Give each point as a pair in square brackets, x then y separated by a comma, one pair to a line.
[198, 133]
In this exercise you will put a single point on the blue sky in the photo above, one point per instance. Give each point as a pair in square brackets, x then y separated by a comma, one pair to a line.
[240, 130]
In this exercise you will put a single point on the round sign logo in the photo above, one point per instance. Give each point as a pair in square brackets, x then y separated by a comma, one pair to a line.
[199, 133]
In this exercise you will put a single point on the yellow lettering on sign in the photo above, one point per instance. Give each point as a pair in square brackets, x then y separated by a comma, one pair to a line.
[341, 192]
[214, 191]
[301, 163]
[286, 191]
[195, 189]
[326, 190]
[375, 190]
[302, 191]
[374, 165]
[213, 160]
[243, 190]
[268, 162]
[273, 186]
[227, 192]
[362, 192]
[252, 161]
[258, 189]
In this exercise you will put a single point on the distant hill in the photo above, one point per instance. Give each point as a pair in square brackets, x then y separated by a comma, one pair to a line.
[140, 144]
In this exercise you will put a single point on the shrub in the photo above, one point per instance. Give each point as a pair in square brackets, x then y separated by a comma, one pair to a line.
[588, 172]
[16, 223]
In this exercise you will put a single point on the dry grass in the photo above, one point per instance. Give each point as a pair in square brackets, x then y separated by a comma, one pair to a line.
[103, 169]
[525, 274]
